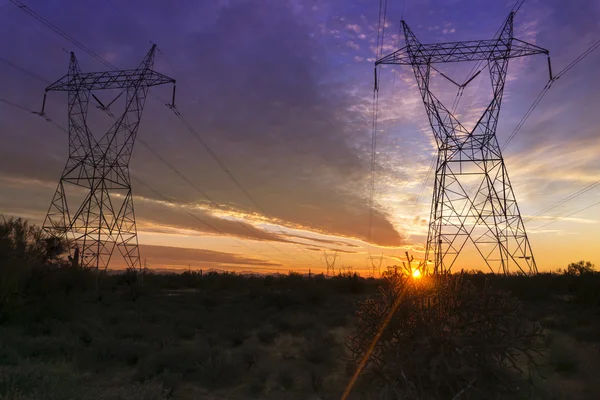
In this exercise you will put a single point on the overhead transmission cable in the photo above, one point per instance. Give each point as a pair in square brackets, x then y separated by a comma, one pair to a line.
[565, 200]
[545, 90]
[567, 216]
[539, 98]
[162, 196]
[23, 70]
[532, 107]
[378, 51]
[175, 110]
[459, 93]
[152, 151]
[230, 175]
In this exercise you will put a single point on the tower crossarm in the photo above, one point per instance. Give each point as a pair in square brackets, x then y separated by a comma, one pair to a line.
[473, 50]
[109, 80]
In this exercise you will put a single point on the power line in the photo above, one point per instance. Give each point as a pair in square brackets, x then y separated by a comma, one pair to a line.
[60, 32]
[23, 70]
[175, 110]
[533, 106]
[528, 113]
[546, 88]
[586, 53]
[455, 103]
[378, 51]
[567, 216]
[10, 103]
[565, 200]
[214, 228]
[230, 175]
[156, 192]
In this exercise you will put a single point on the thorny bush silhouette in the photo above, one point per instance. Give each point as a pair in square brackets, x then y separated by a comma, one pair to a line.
[446, 339]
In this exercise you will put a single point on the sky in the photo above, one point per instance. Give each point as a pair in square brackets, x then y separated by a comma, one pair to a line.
[282, 92]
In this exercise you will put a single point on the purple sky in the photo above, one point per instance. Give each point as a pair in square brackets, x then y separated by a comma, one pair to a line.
[282, 91]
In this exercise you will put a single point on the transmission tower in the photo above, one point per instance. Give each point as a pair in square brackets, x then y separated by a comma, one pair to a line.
[375, 262]
[93, 205]
[330, 259]
[489, 218]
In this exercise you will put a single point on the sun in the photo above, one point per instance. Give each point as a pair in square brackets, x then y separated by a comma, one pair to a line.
[416, 274]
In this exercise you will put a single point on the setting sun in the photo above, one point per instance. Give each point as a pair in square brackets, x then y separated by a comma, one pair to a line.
[416, 274]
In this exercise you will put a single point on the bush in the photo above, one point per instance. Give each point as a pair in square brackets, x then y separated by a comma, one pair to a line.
[580, 268]
[267, 334]
[286, 379]
[320, 348]
[440, 336]
[563, 357]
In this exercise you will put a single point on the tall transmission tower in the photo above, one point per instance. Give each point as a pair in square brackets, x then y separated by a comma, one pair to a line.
[375, 263]
[330, 259]
[93, 204]
[489, 218]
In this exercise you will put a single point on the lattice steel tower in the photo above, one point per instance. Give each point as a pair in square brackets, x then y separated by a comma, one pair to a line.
[93, 204]
[489, 218]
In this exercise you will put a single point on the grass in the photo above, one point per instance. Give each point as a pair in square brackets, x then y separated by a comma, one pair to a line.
[237, 337]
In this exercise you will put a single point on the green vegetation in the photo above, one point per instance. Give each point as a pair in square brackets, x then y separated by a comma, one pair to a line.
[228, 336]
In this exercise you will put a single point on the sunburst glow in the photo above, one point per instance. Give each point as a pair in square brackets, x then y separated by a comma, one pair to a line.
[416, 274]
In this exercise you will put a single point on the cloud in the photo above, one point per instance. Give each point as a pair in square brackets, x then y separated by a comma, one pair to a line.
[262, 103]
[169, 257]
[352, 45]
[354, 28]
[275, 91]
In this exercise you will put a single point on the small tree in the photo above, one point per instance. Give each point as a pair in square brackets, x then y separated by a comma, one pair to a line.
[440, 337]
[23, 248]
[580, 268]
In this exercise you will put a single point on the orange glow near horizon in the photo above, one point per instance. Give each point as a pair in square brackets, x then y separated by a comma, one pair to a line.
[416, 274]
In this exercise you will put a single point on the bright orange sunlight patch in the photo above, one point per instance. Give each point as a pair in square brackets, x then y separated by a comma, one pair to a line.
[416, 274]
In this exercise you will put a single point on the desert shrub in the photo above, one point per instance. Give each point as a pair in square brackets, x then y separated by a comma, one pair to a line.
[39, 381]
[315, 295]
[266, 334]
[250, 357]
[58, 382]
[170, 361]
[294, 323]
[280, 300]
[563, 356]
[586, 291]
[236, 333]
[8, 355]
[258, 383]
[219, 368]
[286, 379]
[321, 347]
[148, 390]
[48, 348]
[439, 336]
[105, 353]
[349, 283]
[580, 268]
[22, 248]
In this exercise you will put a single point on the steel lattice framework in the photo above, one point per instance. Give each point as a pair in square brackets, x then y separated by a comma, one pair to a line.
[100, 215]
[489, 218]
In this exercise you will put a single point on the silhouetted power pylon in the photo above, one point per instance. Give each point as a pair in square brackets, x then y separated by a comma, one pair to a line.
[93, 204]
[375, 264]
[488, 218]
[330, 259]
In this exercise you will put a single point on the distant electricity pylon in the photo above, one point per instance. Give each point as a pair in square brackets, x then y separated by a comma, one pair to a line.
[93, 204]
[375, 263]
[490, 219]
[330, 259]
